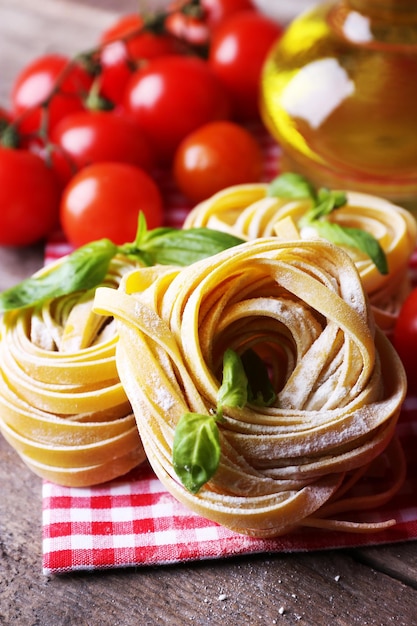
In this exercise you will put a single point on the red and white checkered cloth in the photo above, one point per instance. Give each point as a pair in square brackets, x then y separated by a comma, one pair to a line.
[134, 521]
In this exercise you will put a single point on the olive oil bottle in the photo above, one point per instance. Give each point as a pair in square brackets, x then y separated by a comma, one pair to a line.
[339, 93]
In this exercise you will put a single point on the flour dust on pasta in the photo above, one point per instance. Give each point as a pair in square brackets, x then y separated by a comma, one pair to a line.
[301, 306]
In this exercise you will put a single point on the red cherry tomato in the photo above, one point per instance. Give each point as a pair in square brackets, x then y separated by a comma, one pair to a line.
[238, 50]
[171, 97]
[123, 50]
[215, 156]
[104, 200]
[36, 82]
[90, 136]
[405, 336]
[29, 198]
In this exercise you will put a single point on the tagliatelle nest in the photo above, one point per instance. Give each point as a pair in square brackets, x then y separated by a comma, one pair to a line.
[340, 385]
[249, 212]
[62, 405]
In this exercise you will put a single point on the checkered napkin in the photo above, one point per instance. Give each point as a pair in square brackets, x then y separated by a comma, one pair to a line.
[134, 521]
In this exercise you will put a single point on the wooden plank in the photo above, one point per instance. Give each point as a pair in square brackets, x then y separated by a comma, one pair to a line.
[17, 263]
[398, 561]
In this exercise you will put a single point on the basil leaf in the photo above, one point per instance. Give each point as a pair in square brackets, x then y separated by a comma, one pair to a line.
[86, 267]
[327, 201]
[291, 185]
[172, 246]
[141, 230]
[83, 269]
[356, 238]
[196, 450]
[234, 388]
[337, 198]
[260, 389]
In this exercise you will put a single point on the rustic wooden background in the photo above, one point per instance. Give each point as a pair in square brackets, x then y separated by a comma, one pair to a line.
[373, 586]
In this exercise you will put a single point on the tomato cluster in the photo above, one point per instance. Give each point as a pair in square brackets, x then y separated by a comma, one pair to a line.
[85, 137]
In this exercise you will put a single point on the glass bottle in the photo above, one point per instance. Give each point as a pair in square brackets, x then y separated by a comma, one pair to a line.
[339, 92]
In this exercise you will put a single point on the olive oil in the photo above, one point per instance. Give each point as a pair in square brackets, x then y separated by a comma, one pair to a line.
[339, 92]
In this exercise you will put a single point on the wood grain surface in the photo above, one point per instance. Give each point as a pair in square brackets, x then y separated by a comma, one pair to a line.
[374, 586]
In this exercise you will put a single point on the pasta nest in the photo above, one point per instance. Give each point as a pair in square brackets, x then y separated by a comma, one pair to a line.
[62, 405]
[248, 212]
[340, 385]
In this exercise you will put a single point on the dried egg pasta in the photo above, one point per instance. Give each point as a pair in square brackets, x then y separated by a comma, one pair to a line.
[340, 385]
[248, 212]
[62, 405]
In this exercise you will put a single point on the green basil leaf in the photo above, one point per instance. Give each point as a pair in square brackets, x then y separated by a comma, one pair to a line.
[260, 389]
[327, 201]
[172, 246]
[356, 238]
[83, 269]
[196, 450]
[316, 212]
[87, 266]
[233, 391]
[291, 185]
[337, 198]
[141, 230]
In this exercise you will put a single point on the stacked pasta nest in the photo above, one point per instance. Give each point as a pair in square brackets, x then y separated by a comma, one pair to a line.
[250, 212]
[315, 314]
[62, 405]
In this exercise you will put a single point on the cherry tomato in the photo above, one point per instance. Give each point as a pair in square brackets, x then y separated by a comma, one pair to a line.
[215, 156]
[238, 49]
[171, 97]
[87, 137]
[35, 84]
[29, 198]
[405, 336]
[123, 50]
[104, 200]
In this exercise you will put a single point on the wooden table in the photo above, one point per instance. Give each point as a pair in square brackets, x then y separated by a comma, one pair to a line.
[372, 586]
